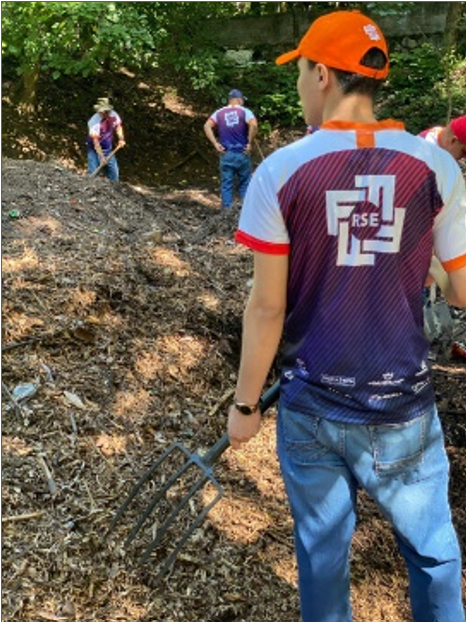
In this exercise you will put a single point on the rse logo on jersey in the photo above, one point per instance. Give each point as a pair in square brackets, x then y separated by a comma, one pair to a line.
[231, 118]
[365, 220]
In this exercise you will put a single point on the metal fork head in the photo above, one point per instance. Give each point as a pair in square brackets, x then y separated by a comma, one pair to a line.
[167, 505]
[180, 501]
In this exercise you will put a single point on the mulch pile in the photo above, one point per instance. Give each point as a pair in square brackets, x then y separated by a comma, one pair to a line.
[122, 311]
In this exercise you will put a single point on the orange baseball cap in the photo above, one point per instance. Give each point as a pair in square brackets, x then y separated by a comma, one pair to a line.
[340, 40]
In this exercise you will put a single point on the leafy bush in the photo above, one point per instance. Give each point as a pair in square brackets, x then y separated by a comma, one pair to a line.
[422, 86]
[272, 94]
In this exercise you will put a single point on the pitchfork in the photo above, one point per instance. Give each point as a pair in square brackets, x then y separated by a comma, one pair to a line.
[203, 466]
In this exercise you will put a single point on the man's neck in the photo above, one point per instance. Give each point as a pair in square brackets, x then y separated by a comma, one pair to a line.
[350, 108]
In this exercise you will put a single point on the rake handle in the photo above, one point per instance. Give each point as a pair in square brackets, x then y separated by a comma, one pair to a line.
[268, 399]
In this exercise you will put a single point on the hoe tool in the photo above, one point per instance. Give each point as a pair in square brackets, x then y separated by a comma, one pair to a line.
[107, 159]
[177, 500]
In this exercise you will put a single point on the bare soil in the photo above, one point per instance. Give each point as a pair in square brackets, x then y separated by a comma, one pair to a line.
[122, 308]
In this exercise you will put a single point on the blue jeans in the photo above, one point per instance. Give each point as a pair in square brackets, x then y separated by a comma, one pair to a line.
[232, 165]
[110, 170]
[404, 468]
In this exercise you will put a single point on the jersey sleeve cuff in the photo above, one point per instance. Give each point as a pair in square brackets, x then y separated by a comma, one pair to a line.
[454, 264]
[270, 248]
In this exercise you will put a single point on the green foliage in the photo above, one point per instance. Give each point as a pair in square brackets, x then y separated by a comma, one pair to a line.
[206, 72]
[424, 88]
[82, 38]
[386, 9]
[276, 106]
[419, 87]
[76, 38]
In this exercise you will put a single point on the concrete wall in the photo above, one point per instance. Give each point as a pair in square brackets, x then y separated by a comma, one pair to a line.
[284, 30]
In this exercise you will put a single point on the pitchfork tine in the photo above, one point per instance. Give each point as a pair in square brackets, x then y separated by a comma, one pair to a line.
[168, 484]
[204, 463]
[174, 513]
[173, 555]
[141, 482]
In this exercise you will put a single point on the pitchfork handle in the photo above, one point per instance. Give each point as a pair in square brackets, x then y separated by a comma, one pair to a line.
[268, 399]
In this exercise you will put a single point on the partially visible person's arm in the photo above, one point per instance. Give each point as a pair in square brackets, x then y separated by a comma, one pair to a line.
[452, 284]
[447, 266]
[120, 135]
[98, 148]
[118, 128]
[262, 330]
[252, 132]
[94, 134]
[209, 132]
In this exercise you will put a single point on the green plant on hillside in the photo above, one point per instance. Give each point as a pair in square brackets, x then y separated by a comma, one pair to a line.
[273, 94]
[426, 86]
[73, 38]
[420, 85]
[84, 38]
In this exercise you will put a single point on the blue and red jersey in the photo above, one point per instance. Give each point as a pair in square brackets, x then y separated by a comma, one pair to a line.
[233, 126]
[358, 208]
[103, 129]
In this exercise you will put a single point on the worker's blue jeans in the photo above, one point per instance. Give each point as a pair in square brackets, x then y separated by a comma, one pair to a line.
[404, 468]
[110, 170]
[234, 165]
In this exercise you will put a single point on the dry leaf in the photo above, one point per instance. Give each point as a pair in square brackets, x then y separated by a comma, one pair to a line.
[74, 400]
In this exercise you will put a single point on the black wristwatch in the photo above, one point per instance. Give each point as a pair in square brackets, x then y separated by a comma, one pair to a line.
[246, 409]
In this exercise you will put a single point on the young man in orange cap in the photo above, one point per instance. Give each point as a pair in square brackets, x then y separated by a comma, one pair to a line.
[342, 225]
[451, 137]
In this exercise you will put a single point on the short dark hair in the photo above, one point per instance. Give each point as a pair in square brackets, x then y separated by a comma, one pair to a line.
[356, 83]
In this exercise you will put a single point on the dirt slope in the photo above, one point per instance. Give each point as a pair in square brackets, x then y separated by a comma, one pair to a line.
[122, 310]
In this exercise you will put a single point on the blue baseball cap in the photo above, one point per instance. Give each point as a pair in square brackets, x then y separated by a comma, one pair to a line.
[235, 93]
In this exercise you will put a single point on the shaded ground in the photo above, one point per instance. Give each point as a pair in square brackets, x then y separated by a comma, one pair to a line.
[122, 310]
[166, 146]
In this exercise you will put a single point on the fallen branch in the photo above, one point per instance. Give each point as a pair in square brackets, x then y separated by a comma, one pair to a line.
[204, 157]
[183, 161]
[223, 400]
[259, 149]
[20, 517]
[53, 488]
[28, 342]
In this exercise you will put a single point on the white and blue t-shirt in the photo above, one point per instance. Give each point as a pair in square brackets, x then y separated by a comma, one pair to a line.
[103, 129]
[359, 209]
[232, 125]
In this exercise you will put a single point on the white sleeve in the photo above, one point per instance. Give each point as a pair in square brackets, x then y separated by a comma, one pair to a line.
[94, 126]
[261, 217]
[450, 224]
[249, 115]
[117, 118]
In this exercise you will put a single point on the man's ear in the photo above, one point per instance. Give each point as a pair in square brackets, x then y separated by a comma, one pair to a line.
[322, 75]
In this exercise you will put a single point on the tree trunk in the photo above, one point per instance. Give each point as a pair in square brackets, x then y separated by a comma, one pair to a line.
[455, 11]
[28, 88]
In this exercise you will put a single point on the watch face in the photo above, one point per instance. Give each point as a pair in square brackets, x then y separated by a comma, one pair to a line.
[244, 409]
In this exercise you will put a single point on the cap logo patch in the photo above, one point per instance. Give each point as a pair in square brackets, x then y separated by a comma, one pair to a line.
[372, 32]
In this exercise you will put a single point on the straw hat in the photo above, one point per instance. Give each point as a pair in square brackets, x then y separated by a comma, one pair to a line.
[103, 105]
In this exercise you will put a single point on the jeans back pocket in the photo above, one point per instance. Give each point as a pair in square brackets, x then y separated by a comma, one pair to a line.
[399, 448]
